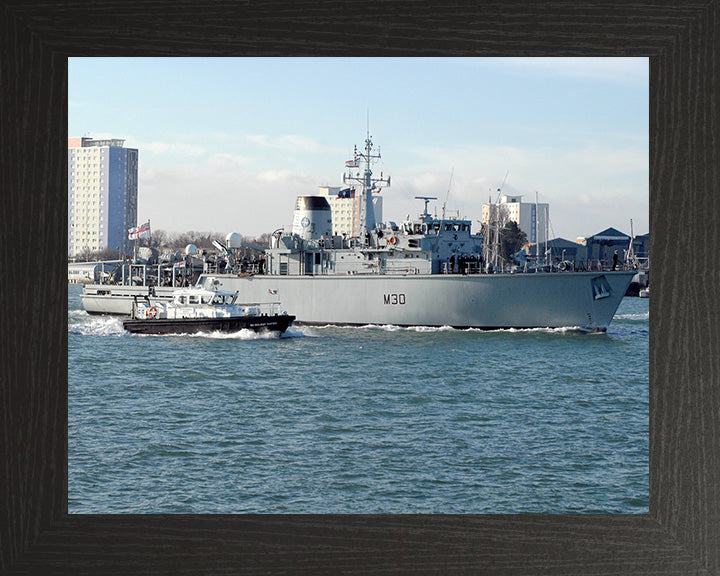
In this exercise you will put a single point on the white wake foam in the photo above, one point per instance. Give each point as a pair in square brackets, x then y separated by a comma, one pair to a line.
[641, 316]
[433, 329]
[94, 325]
[243, 334]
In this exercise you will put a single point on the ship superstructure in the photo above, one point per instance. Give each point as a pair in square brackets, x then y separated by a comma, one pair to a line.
[425, 245]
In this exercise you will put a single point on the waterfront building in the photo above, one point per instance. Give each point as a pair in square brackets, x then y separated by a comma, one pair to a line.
[102, 194]
[641, 246]
[532, 218]
[598, 249]
[561, 249]
[602, 246]
[345, 210]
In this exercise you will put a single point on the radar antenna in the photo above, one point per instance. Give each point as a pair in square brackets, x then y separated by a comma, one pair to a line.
[426, 199]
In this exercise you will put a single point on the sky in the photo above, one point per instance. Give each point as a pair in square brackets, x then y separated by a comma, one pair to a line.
[227, 144]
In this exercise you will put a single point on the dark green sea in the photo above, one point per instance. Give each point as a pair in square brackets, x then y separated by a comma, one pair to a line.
[376, 419]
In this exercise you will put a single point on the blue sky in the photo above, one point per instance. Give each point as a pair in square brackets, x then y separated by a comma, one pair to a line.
[226, 144]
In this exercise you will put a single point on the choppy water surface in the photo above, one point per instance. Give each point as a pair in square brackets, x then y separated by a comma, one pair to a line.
[356, 420]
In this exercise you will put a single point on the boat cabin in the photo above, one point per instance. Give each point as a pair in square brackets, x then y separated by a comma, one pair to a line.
[196, 297]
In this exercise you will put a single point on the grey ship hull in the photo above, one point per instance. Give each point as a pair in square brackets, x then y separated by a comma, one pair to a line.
[486, 301]
[474, 301]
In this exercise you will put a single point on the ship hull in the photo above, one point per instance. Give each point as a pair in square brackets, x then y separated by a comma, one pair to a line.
[277, 323]
[487, 301]
[475, 301]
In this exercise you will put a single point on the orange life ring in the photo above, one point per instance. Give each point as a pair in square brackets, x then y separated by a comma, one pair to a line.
[152, 312]
[392, 240]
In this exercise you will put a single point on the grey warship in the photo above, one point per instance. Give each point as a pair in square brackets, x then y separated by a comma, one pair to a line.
[425, 271]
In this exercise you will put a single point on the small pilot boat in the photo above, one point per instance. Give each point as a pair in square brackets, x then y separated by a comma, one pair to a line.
[193, 310]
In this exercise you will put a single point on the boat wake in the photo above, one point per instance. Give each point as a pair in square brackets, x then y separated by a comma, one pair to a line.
[84, 324]
[243, 334]
[291, 332]
[641, 316]
[80, 322]
[563, 330]
[380, 327]
[298, 332]
[394, 328]
[435, 329]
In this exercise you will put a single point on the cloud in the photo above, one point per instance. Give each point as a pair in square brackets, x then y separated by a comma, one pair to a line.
[219, 197]
[582, 185]
[224, 159]
[170, 147]
[292, 142]
[159, 148]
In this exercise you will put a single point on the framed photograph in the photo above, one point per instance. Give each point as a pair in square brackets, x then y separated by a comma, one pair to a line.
[678, 532]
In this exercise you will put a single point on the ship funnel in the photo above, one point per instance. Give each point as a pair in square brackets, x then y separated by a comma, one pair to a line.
[312, 218]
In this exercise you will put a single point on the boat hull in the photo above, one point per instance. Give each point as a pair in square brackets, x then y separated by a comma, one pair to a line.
[276, 323]
[474, 301]
[487, 301]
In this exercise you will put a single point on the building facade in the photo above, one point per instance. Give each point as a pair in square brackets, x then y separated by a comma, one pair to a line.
[345, 210]
[532, 218]
[600, 248]
[562, 250]
[102, 194]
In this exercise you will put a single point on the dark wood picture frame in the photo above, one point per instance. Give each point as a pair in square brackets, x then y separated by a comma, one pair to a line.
[681, 533]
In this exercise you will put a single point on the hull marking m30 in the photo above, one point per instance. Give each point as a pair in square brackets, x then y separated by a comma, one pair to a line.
[394, 299]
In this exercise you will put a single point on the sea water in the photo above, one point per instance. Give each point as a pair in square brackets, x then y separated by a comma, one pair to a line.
[376, 419]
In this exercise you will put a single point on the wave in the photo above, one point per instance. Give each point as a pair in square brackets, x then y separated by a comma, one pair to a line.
[298, 332]
[562, 330]
[243, 334]
[386, 328]
[395, 328]
[95, 325]
[640, 316]
[433, 329]
[82, 323]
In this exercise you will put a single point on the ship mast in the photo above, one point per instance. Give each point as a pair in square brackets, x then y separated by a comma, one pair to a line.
[368, 183]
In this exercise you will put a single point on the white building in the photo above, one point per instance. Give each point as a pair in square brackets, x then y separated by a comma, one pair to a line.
[102, 194]
[531, 218]
[346, 211]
